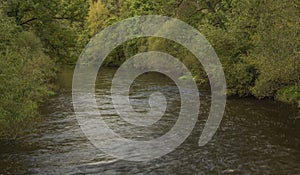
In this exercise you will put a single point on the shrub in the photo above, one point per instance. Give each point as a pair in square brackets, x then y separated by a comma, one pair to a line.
[25, 71]
[289, 94]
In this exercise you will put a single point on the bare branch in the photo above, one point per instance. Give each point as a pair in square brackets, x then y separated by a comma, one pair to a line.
[28, 21]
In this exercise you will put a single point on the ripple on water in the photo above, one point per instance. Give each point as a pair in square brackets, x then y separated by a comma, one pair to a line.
[255, 137]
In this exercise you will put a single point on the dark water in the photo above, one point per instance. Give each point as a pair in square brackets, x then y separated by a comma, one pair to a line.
[255, 137]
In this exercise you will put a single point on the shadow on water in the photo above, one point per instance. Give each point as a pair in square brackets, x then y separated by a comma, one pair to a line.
[255, 137]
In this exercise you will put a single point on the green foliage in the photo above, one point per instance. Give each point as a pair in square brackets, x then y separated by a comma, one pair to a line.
[35, 35]
[257, 41]
[230, 46]
[277, 44]
[289, 94]
[98, 16]
[58, 23]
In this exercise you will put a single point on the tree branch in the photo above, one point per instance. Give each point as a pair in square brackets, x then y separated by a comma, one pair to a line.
[179, 3]
[28, 21]
[62, 18]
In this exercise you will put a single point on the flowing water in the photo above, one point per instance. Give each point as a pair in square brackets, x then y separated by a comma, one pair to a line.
[255, 137]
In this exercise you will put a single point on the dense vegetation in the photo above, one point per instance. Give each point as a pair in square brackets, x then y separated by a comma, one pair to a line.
[258, 42]
[35, 36]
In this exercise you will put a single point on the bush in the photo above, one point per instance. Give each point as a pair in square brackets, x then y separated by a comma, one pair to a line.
[25, 71]
[289, 94]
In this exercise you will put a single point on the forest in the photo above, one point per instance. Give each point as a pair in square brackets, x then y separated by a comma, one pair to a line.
[257, 41]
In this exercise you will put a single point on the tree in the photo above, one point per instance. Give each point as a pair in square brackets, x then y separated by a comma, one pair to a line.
[57, 23]
[25, 71]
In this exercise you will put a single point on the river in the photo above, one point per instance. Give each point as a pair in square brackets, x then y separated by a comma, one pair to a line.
[255, 137]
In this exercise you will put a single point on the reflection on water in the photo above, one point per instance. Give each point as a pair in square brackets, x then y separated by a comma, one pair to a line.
[255, 137]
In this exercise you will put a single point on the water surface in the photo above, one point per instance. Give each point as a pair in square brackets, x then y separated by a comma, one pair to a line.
[255, 137]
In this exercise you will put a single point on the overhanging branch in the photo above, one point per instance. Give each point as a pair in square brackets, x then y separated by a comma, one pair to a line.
[28, 21]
